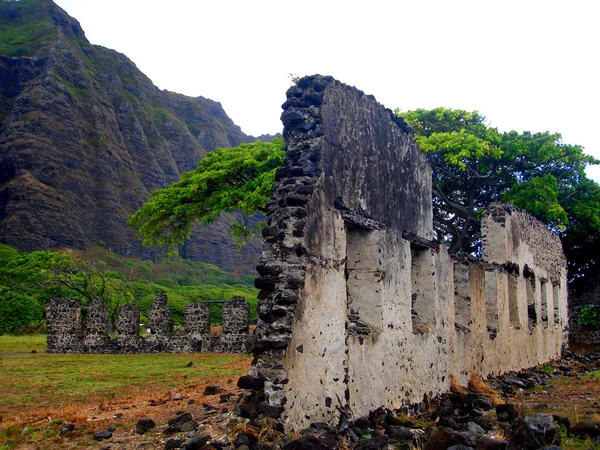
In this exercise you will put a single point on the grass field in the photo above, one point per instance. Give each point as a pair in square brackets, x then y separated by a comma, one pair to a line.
[35, 386]
[22, 343]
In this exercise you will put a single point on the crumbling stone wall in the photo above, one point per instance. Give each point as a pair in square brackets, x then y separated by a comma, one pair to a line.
[588, 334]
[359, 308]
[587, 295]
[66, 331]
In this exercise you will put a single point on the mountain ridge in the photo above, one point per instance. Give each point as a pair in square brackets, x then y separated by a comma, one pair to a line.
[85, 137]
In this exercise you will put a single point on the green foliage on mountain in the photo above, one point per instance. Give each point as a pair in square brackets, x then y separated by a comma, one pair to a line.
[23, 27]
[226, 180]
[27, 280]
[474, 165]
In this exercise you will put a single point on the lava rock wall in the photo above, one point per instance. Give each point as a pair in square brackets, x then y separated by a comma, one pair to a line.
[66, 329]
[359, 307]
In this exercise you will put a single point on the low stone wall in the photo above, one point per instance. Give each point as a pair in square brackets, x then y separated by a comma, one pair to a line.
[65, 328]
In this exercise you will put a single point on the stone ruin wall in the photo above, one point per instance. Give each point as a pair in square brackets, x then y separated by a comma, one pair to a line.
[584, 296]
[359, 308]
[65, 328]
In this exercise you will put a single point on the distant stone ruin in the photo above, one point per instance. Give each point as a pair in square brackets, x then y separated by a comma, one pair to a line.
[66, 335]
[359, 306]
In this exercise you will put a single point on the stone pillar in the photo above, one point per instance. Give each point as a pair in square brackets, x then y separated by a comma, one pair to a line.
[235, 338]
[197, 318]
[196, 323]
[97, 339]
[161, 323]
[63, 323]
[128, 329]
[236, 316]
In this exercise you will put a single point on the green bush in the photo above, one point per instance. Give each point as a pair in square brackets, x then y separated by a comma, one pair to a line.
[18, 313]
[589, 315]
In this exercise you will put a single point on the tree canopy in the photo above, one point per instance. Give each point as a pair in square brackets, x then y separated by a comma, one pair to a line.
[27, 280]
[474, 165]
[226, 180]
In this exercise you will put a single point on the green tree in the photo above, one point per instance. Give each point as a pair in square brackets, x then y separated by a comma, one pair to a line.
[473, 165]
[226, 180]
[22, 300]
[27, 280]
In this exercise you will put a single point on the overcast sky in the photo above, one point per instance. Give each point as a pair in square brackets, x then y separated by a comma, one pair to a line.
[526, 65]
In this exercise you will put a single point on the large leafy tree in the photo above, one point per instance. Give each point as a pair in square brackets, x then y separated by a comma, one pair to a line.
[27, 280]
[473, 165]
[226, 180]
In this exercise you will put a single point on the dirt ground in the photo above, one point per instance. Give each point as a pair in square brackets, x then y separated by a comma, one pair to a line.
[576, 396]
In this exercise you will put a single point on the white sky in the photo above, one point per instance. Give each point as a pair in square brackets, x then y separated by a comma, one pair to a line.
[526, 65]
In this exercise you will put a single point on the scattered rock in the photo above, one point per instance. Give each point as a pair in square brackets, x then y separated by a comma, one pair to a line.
[223, 398]
[583, 429]
[197, 443]
[245, 411]
[101, 435]
[522, 437]
[173, 443]
[66, 427]
[212, 390]
[488, 443]
[245, 439]
[374, 443]
[544, 428]
[443, 437]
[506, 412]
[144, 425]
[399, 433]
[312, 443]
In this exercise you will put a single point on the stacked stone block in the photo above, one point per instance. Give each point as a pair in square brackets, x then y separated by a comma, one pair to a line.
[97, 339]
[197, 325]
[128, 329]
[63, 323]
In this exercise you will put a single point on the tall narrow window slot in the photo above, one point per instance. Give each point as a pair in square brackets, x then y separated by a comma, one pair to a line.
[530, 286]
[513, 300]
[544, 297]
[491, 302]
[364, 277]
[423, 289]
[556, 302]
[462, 296]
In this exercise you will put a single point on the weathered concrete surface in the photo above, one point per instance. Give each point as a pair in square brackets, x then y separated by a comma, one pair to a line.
[66, 328]
[359, 308]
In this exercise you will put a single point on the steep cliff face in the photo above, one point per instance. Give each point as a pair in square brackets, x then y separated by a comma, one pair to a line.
[85, 136]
